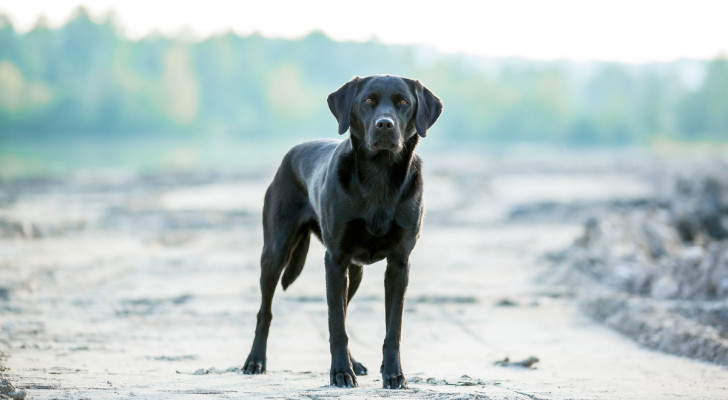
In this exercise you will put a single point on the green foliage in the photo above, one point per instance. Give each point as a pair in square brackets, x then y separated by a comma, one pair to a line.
[705, 110]
[85, 79]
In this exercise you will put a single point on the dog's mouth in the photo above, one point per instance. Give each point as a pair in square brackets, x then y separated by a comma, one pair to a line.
[384, 145]
[378, 142]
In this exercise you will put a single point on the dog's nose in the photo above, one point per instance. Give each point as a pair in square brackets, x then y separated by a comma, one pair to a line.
[384, 123]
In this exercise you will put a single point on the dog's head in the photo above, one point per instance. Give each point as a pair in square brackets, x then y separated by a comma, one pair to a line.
[384, 111]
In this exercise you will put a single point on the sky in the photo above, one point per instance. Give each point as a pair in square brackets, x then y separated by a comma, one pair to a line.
[635, 31]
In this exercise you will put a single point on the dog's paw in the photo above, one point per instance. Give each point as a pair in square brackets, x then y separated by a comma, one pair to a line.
[343, 377]
[254, 365]
[394, 382]
[393, 379]
[359, 368]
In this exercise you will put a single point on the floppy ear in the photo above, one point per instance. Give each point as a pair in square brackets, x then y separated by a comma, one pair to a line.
[429, 108]
[340, 103]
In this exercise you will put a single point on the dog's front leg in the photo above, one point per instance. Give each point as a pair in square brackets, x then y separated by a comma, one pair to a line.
[395, 285]
[342, 373]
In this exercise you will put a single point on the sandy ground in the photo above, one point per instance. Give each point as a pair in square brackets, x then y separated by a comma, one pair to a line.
[120, 286]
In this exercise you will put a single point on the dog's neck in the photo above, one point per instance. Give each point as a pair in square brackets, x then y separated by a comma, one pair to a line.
[382, 174]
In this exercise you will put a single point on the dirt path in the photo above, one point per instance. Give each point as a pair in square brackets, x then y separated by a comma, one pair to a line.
[147, 288]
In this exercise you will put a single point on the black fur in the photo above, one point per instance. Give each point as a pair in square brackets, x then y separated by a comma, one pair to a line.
[363, 198]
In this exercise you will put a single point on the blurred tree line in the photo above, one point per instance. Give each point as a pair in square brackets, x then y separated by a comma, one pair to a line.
[85, 79]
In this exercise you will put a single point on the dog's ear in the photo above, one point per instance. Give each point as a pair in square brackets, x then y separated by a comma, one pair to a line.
[429, 108]
[341, 101]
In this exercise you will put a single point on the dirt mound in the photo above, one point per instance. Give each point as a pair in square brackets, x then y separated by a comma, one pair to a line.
[658, 271]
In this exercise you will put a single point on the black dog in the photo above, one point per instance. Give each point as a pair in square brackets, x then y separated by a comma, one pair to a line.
[362, 197]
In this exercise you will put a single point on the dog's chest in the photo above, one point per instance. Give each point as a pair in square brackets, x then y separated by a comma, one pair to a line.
[368, 244]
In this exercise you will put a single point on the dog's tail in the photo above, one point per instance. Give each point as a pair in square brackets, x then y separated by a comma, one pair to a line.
[298, 258]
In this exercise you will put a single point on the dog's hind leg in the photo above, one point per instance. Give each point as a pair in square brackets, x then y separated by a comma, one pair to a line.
[355, 274]
[283, 234]
[270, 272]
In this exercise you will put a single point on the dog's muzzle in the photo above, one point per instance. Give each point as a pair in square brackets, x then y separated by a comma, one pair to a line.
[384, 135]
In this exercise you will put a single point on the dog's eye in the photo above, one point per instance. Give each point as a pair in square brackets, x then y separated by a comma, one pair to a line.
[369, 100]
[403, 102]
